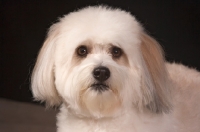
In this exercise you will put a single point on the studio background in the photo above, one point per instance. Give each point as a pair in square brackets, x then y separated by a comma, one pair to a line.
[24, 24]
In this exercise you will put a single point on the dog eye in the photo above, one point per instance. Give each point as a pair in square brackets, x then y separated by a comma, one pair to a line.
[82, 51]
[116, 52]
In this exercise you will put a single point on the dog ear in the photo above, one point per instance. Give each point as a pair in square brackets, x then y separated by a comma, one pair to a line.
[155, 83]
[42, 79]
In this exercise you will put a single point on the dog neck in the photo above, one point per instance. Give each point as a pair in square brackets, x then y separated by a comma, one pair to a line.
[129, 120]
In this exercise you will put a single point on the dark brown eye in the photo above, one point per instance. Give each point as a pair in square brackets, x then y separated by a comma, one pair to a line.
[82, 51]
[116, 52]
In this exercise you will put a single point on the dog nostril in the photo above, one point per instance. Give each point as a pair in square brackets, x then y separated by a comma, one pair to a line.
[101, 73]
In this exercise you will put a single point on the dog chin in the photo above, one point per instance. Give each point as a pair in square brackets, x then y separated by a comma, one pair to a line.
[100, 87]
[100, 100]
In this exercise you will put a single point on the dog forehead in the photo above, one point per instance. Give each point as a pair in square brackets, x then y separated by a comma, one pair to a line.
[95, 16]
[100, 24]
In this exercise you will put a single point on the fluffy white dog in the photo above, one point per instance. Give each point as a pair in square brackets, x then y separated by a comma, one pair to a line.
[108, 75]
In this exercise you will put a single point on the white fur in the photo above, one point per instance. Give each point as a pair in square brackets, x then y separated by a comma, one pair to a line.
[142, 96]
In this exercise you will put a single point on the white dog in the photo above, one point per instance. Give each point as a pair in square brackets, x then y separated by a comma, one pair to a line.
[108, 75]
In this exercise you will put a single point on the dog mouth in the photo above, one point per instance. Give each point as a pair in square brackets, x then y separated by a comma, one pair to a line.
[100, 87]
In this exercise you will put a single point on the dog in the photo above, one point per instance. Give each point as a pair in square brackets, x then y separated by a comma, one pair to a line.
[108, 75]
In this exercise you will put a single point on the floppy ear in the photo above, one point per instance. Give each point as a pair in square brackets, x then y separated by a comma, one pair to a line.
[42, 79]
[155, 83]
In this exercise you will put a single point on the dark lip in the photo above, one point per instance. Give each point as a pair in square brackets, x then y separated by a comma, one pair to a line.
[100, 87]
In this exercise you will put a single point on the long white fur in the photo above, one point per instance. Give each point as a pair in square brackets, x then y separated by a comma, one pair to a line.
[146, 93]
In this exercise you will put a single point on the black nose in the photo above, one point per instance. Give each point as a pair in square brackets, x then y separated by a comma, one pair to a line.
[101, 73]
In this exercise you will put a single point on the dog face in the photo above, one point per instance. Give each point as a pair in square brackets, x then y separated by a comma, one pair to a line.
[99, 62]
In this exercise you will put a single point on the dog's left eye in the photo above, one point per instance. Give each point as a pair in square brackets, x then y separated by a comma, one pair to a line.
[116, 52]
[82, 51]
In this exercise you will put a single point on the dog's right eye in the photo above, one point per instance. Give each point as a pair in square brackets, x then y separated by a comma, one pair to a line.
[82, 51]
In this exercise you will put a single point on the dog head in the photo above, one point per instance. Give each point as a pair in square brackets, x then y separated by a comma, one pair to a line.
[99, 61]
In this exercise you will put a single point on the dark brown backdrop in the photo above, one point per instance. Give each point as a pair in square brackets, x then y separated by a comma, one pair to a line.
[24, 23]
